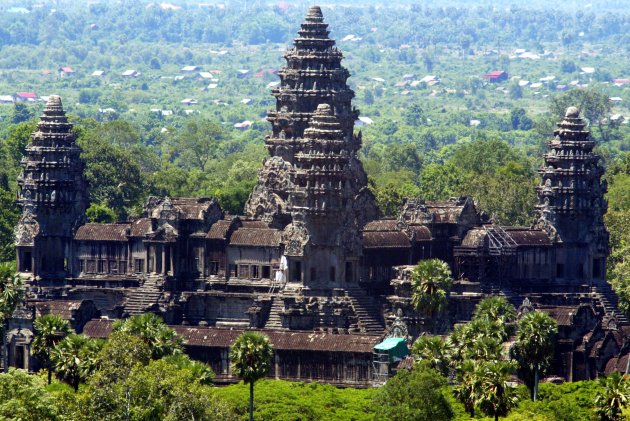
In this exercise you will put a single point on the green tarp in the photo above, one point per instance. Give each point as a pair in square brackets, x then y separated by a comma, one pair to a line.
[396, 348]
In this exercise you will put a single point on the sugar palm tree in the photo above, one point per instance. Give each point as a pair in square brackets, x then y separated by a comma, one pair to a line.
[534, 346]
[49, 330]
[467, 385]
[614, 397]
[74, 358]
[432, 350]
[431, 284]
[10, 296]
[251, 356]
[496, 309]
[496, 396]
[161, 339]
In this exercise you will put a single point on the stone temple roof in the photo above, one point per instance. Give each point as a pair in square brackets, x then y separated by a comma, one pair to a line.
[102, 232]
[263, 237]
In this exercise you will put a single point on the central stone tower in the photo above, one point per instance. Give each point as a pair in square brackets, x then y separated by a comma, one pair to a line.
[313, 76]
[571, 202]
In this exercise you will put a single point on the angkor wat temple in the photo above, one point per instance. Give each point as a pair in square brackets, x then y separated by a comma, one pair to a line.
[309, 263]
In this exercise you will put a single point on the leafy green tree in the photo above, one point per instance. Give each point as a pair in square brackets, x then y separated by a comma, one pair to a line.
[496, 396]
[520, 120]
[413, 395]
[414, 116]
[24, 397]
[50, 329]
[534, 346]
[433, 351]
[11, 292]
[73, 359]
[161, 339]
[100, 213]
[252, 356]
[610, 402]
[198, 143]
[431, 283]
[21, 113]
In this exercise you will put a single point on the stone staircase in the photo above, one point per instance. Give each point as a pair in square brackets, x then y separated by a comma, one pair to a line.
[143, 297]
[604, 293]
[369, 319]
[274, 321]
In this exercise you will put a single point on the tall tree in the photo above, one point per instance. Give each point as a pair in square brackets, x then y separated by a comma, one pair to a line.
[10, 296]
[252, 356]
[610, 402]
[496, 396]
[49, 330]
[433, 351]
[534, 347]
[73, 359]
[413, 395]
[467, 385]
[162, 340]
[431, 284]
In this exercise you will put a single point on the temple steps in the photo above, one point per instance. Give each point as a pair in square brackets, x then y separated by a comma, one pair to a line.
[143, 297]
[369, 319]
[608, 299]
[274, 321]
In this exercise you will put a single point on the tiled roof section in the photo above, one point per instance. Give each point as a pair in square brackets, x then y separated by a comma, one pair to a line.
[61, 308]
[385, 239]
[192, 208]
[562, 314]
[265, 237]
[445, 212]
[618, 364]
[208, 337]
[421, 233]
[528, 237]
[476, 237]
[98, 328]
[254, 223]
[381, 225]
[102, 232]
[219, 230]
[282, 341]
[141, 227]
[307, 341]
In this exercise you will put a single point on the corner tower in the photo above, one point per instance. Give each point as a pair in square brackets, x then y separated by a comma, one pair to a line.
[571, 202]
[313, 76]
[52, 193]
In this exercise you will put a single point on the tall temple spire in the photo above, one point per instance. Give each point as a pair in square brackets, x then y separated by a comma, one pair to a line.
[52, 193]
[571, 200]
[313, 76]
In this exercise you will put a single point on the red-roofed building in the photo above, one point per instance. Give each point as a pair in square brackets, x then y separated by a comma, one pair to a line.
[496, 76]
[25, 97]
[621, 81]
[66, 71]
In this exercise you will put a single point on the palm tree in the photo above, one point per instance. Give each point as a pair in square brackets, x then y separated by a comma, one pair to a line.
[534, 346]
[49, 330]
[151, 329]
[74, 358]
[496, 309]
[431, 283]
[434, 351]
[468, 385]
[251, 356]
[10, 296]
[614, 397]
[496, 396]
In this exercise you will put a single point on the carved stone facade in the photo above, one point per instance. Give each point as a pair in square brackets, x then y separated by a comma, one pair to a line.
[310, 259]
[52, 195]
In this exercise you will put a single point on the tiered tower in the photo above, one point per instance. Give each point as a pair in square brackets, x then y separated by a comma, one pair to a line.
[571, 201]
[321, 204]
[52, 196]
[313, 76]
